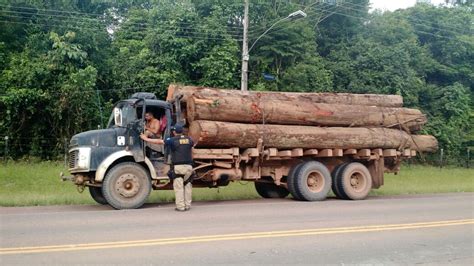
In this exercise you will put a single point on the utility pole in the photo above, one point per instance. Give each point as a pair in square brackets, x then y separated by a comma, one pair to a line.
[245, 47]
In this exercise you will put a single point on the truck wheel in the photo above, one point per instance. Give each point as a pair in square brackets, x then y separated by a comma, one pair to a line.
[336, 172]
[96, 194]
[354, 182]
[126, 186]
[290, 181]
[270, 190]
[312, 181]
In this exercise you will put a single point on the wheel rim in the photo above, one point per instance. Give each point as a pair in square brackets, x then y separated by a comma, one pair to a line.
[358, 181]
[127, 185]
[315, 182]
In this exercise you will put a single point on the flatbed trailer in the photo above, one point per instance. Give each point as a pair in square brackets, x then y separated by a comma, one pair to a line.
[276, 168]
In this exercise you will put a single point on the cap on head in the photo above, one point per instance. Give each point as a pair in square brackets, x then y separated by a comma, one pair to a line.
[178, 128]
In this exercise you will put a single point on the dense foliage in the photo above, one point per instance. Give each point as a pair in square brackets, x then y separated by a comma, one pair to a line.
[64, 63]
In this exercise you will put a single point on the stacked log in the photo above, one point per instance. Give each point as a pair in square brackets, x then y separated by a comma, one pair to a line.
[253, 109]
[330, 98]
[231, 118]
[226, 134]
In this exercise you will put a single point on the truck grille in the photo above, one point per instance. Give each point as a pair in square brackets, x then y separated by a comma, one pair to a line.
[73, 157]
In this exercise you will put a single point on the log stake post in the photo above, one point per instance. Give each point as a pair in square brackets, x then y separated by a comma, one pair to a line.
[65, 152]
[441, 154]
[468, 157]
[6, 149]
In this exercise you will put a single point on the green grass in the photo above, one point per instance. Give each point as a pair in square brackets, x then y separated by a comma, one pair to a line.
[418, 179]
[27, 184]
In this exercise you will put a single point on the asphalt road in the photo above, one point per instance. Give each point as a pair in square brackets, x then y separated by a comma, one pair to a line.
[423, 229]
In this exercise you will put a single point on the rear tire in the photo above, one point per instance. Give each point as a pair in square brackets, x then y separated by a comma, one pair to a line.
[290, 181]
[312, 181]
[126, 186]
[96, 194]
[354, 182]
[335, 173]
[270, 190]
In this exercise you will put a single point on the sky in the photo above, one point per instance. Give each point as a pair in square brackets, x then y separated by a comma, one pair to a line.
[396, 4]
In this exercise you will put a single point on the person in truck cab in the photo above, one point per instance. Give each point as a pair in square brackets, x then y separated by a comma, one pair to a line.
[152, 126]
[180, 147]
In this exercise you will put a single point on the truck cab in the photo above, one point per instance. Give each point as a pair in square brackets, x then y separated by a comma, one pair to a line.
[117, 166]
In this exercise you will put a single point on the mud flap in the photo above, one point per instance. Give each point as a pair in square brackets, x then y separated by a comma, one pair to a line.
[376, 169]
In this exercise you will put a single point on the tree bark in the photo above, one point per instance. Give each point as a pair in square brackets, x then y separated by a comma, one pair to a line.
[224, 134]
[268, 110]
[330, 98]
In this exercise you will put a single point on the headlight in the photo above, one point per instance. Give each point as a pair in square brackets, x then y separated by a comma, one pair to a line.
[84, 158]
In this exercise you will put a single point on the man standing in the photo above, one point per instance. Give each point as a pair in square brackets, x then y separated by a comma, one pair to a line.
[180, 148]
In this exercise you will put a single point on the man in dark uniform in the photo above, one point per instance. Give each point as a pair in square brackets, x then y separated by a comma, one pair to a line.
[180, 148]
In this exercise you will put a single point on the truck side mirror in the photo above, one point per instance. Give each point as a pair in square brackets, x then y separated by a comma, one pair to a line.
[118, 116]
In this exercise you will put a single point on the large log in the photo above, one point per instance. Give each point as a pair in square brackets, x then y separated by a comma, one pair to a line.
[266, 109]
[330, 98]
[225, 134]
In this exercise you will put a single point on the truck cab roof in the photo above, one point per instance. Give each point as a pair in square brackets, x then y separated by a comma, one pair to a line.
[149, 102]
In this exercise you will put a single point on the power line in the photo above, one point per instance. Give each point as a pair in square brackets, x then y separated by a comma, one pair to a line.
[195, 35]
[52, 10]
[409, 19]
[310, 14]
[128, 23]
[263, 27]
[362, 18]
[276, 29]
[305, 6]
[233, 34]
[358, 8]
[418, 19]
[56, 93]
[78, 15]
[169, 27]
[415, 30]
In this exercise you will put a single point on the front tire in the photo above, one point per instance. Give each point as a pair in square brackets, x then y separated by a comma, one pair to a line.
[270, 190]
[126, 186]
[312, 181]
[96, 194]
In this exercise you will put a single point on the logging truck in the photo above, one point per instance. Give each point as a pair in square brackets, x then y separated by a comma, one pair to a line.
[272, 149]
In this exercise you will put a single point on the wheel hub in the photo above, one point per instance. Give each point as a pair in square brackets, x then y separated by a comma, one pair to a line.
[357, 181]
[127, 185]
[315, 182]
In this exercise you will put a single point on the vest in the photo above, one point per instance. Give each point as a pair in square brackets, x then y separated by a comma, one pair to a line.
[181, 150]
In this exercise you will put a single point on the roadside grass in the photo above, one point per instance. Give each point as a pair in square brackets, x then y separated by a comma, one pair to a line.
[417, 179]
[32, 184]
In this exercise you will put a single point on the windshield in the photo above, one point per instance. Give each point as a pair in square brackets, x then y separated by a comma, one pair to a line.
[122, 115]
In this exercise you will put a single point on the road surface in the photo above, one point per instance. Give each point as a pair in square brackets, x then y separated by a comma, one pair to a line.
[422, 229]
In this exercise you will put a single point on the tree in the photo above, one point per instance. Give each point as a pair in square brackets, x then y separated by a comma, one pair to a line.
[66, 62]
[385, 58]
[449, 117]
[308, 76]
[49, 80]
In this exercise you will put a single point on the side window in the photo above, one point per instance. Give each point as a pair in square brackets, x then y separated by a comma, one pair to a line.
[160, 115]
